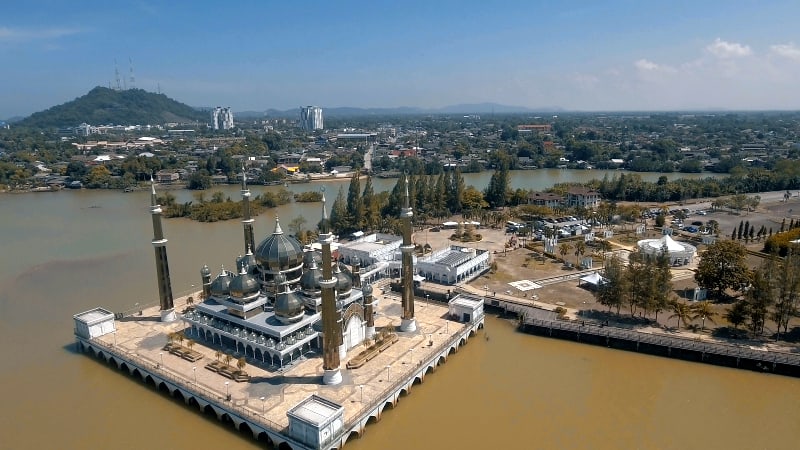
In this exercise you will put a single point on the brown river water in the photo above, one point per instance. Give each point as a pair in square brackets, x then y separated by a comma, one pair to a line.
[63, 253]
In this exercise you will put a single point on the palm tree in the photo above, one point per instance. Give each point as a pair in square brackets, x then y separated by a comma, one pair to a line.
[227, 358]
[181, 337]
[563, 249]
[703, 310]
[217, 354]
[580, 250]
[682, 312]
[241, 363]
[189, 343]
[171, 337]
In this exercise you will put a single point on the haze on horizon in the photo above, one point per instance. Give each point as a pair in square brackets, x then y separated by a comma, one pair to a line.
[618, 55]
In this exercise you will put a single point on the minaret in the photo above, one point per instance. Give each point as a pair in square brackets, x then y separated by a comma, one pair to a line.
[205, 274]
[247, 221]
[408, 323]
[369, 310]
[355, 268]
[162, 265]
[331, 330]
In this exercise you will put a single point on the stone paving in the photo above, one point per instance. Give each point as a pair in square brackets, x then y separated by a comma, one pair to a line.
[145, 336]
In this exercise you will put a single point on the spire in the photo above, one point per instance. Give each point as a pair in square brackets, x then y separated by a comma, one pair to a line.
[153, 199]
[324, 222]
[405, 198]
[278, 229]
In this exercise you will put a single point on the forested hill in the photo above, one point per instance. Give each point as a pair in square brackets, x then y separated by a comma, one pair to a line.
[102, 106]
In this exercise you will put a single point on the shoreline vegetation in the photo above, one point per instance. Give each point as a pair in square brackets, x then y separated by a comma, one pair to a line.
[445, 195]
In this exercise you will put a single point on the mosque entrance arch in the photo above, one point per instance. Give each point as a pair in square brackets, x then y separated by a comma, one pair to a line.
[354, 332]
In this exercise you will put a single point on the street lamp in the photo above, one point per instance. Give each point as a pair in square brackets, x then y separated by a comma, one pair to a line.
[387, 372]
[428, 299]
[161, 355]
[361, 387]
[263, 405]
[194, 371]
[411, 355]
[227, 390]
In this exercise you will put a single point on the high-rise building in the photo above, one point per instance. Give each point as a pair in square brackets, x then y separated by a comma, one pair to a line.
[311, 118]
[221, 118]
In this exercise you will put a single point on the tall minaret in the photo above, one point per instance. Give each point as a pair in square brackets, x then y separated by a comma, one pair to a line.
[369, 310]
[247, 221]
[331, 330]
[162, 265]
[408, 323]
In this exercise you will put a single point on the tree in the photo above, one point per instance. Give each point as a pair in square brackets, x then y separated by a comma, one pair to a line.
[580, 250]
[241, 363]
[759, 297]
[355, 204]
[786, 288]
[227, 358]
[297, 225]
[563, 250]
[681, 311]
[498, 185]
[613, 290]
[473, 200]
[722, 266]
[189, 343]
[217, 354]
[703, 311]
[738, 313]
[340, 219]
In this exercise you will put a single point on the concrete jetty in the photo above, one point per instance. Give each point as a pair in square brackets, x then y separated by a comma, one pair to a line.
[135, 344]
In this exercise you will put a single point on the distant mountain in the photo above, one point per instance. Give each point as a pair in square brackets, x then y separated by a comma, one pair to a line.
[347, 111]
[103, 106]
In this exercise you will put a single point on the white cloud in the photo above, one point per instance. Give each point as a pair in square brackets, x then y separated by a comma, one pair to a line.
[8, 34]
[789, 51]
[725, 49]
[645, 65]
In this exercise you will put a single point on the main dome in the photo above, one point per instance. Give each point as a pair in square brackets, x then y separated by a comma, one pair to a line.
[279, 251]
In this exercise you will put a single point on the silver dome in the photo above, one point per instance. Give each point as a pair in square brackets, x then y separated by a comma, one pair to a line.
[279, 251]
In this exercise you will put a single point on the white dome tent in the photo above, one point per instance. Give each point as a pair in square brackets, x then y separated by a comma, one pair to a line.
[680, 253]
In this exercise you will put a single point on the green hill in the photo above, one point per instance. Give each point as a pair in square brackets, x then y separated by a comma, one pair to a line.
[102, 106]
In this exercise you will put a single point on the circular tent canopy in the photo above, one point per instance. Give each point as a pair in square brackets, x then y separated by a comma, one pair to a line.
[679, 252]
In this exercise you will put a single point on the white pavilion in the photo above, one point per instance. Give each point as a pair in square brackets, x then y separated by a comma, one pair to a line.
[680, 253]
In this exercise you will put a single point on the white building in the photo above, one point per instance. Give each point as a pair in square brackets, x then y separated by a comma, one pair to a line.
[452, 265]
[221, 118]
[311, 118]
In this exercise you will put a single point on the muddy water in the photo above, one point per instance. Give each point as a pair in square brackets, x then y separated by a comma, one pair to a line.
[67, 252]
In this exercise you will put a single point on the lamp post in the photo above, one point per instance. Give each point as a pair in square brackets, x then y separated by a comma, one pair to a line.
[194, 371]
[263, 405]
[115, 337]
[227, 391]
[161, 356]
[411, 356]
[387, 372]
[428, 299]
[361, 388]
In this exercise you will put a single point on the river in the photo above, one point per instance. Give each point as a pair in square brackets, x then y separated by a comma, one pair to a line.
[67, 252]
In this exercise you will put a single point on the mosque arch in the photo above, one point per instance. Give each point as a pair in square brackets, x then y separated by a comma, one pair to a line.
[350, 435]
[244, 427]
[284, 446]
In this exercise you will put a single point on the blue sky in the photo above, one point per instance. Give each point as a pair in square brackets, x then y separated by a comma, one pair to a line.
[578, 55]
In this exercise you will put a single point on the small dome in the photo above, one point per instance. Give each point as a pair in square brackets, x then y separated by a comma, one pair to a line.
[288, 307]
[344, 283]
[248, 261]
[309, 281]
[309, 256]
[243, 285]
[220, 287]
[367, 289]
[205, 271]
[279, 251]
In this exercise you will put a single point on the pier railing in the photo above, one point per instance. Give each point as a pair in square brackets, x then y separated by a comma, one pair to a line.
[678, 342]
[358, 416]
[196, 389]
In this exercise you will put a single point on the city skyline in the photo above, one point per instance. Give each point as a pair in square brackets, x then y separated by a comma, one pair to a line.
[621, 55]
